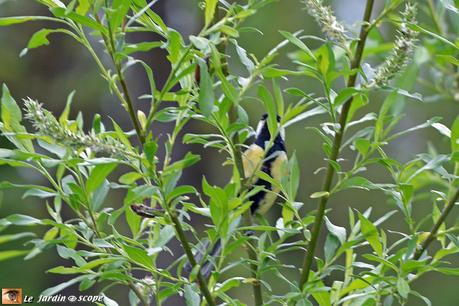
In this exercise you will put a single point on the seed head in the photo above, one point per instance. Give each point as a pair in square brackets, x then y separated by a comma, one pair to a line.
[404, 45]
[326, 19]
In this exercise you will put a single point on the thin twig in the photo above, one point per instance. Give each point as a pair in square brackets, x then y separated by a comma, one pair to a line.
[127, 101]
[336, 148]
[436, 226]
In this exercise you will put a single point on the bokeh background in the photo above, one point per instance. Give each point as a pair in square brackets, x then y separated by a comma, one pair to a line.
[50, 73]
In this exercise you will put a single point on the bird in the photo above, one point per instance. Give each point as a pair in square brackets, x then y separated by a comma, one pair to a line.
[255, 158]
[273, 162]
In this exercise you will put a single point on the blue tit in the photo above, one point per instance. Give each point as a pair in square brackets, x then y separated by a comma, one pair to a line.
[273, 162]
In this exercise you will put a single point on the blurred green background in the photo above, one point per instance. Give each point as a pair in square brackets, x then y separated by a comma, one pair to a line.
[50, 73]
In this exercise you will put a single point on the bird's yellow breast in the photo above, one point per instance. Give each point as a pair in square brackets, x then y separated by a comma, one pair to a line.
[278, 170]
[253, 161]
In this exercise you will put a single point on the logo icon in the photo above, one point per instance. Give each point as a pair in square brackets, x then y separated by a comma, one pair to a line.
[11, 296]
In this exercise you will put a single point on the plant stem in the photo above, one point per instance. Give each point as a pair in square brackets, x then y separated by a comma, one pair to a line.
[130, 106]
[247, 217]
[126, 98]
[336, 148]
[186, 247]
[139, 294]
[256, 285]
[436, 226]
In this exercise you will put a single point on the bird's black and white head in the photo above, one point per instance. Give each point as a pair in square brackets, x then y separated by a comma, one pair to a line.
[263, 135]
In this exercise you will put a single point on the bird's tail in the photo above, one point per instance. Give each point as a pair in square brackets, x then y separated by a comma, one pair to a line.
[209, 263]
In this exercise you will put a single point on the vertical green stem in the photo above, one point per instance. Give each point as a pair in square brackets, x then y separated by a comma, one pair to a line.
[436, 226]
[126, 99]
[307, 264]
[256, 284]
[202, 283]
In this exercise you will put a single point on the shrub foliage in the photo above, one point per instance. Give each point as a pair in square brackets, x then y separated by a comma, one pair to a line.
[363, 263]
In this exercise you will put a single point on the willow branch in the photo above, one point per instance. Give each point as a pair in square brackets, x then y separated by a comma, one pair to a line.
[202, 283]
[247, 217]
[126, 97]
[436, 226]
[307, 264]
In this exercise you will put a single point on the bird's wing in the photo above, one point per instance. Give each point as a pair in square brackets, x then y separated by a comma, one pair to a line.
[252, 160]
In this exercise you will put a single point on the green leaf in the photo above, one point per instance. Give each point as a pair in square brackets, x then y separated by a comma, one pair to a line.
[39, 193]
[439, 37]
[83, 20]
[455, 143]
[267, 99]
[139, 193]
[98, 175]
[357, 182]
[230, 31]
[181, 190]
[200, 43]
[403, 287]
[63, 118]
[230, 283]
[109, 302]
[294, 176]
[450, 59]
[139, 256]
[337, 231]
[130, 178]
[4, 255]
[64, 270]
[120, 9]
[142, 47]
[211, 5]
[192, 298]
[39, 39]
[448, 271]
[99, 196]
[370, 232]
[442, 129]
[206, 92]
[345, 95]
[83, 7]
[11, 119]
[362, 145]
[52, 3]
[244, 58]
[62, 286]
[7, 21]
[133, 221]
[150, 149]
[331, 245]
[17, 219]
[14, 237]
[319, 194]
[187, 161]
[455, 136]
[449, 5]
[297, 42]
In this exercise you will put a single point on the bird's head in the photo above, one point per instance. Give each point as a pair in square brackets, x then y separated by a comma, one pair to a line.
[263, 135]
